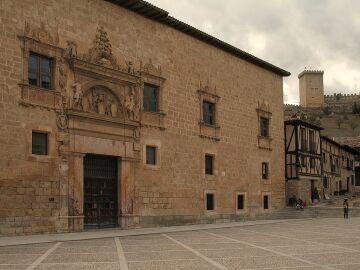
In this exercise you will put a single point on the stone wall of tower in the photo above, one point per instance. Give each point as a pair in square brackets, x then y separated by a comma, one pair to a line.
[311, 88]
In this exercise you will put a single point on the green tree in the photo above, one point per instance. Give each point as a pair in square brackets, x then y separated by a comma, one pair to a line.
[339, 121]
[327, 110]
[354, 125]
[355, 108]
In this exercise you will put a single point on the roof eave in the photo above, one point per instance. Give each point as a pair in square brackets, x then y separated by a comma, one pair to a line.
[157, 14]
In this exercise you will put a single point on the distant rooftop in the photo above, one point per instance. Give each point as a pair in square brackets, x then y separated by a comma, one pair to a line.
[157, 14]
[309, 71]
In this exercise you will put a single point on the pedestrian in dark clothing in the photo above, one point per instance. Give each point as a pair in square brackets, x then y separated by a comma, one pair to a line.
[346, 209]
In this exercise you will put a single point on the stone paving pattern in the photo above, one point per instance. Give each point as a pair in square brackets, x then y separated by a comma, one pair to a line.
[297, 245]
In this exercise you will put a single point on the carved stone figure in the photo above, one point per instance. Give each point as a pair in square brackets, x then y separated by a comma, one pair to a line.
[71, 50]
[130, 104]
[113, 109]
[130, 67]
[78, 96]
[101, 52]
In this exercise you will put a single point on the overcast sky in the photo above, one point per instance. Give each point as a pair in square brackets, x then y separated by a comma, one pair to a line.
[291, 34]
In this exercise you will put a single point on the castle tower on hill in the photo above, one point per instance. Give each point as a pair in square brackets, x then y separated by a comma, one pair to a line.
[311, 88]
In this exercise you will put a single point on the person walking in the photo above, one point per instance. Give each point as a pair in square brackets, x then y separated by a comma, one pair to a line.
[346, 209]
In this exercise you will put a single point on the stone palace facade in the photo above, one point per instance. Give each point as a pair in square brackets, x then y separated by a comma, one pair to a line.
[114, 114]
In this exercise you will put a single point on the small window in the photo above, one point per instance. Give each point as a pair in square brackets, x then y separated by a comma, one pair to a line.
[209, 113]
[39, 143]
[240, 202]
[264, 126]
[266, 201]
[210, 201]
[324, 157]
[265, 170]
[325, 182]
[151, 98]
[150, 155]
[209, 164]
[40, 71]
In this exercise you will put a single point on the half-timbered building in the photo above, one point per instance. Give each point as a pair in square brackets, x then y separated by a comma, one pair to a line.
[302, 159]
[332, 164]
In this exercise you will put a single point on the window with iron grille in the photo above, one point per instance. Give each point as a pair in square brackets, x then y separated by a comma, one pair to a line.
[40, 71]
[240, 201]
[39, 143]
[209, 164]
[151, 98]
[210, 201]
[209, 112]
[264, 127]
[266, 201]
[265, 170]
[150, 155]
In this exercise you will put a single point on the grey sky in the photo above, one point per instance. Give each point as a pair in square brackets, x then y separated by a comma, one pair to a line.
[292, 34]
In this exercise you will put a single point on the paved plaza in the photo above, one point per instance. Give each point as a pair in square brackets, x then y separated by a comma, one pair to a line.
[296, 244]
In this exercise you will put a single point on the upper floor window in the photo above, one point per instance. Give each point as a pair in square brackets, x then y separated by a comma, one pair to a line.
[39, 143]
[150, 155]
[303, 139]
[151, 98]
[209, 164]
[264, 127]
[209, 112]
[324, 158]
[40, 71]
[311, 141]
[265, 170]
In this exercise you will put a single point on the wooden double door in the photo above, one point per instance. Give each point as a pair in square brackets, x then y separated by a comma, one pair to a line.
[100, 191]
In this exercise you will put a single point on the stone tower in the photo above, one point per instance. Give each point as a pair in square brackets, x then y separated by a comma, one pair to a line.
[311, 88]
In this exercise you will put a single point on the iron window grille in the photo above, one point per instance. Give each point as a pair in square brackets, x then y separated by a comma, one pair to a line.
[264, 127]
[209, 112]
[39, 143]
[150, 155]
[151, 98]
[209, 164]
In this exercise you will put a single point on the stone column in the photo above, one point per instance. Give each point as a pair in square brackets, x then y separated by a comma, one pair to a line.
[76, 192]
[126, 190]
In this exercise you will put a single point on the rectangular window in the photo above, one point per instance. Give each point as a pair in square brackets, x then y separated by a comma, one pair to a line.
[325, 182]
[150, 155]
[151, 98]
[352, 180]
[264, 127]
[40, 71]
[210, 201]
[240, 202]
[324, 157]
[311, 141]
[209, 164]
[39, 143]
[303, 139]
[265, 170]
[208, 112]
[266, 201]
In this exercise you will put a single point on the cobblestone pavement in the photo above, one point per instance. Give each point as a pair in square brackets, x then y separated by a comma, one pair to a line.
[305, 244]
